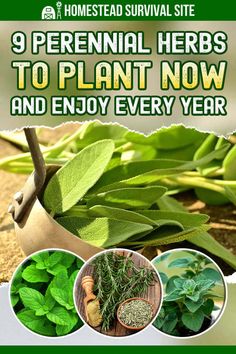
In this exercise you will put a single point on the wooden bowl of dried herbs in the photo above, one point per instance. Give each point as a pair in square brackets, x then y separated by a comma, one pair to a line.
[135, 313]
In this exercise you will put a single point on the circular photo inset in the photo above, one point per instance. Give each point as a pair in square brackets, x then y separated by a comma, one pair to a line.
[41, 292]
[118, 292]
[195, 293]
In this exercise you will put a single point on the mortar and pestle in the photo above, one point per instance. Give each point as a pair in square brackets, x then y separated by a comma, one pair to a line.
[35, 228]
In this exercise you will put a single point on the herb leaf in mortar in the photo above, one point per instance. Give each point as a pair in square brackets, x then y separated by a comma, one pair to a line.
[103, 232]
[129, 198]
[73, 180]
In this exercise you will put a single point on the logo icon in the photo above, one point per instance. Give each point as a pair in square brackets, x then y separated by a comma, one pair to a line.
[59, 6]
[48, 13]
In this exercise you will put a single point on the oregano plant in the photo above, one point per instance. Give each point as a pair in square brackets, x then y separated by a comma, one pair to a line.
[192, 285]
[42, 293]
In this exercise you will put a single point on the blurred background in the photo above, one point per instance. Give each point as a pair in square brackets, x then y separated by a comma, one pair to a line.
[221, 125]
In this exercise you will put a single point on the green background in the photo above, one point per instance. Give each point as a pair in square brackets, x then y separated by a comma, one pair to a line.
[208, 10]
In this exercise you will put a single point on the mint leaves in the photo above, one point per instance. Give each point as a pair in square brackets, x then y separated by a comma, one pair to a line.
[191, 283]
[42, 293]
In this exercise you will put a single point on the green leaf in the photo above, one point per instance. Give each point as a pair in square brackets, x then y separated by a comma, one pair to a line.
[63, 330]
[170, 286]
[229, 164]
[189, 285]
[165, 236]
[164, 277]
[179, 282]
[40, 257]
[67, 260]
[59, 315]
[193, 321]
[32, 298]
[207, 242]
[128, 198]
[168, 203]
[160, 319]
[61, 296]
[77, 176]
[180, 262]
[193, 306]
[204, 285]
[36, 324]
[157, 174]
[195, 297]
[178, 136]
[49, 300]
[119, 214]
[95, 131]
[34, 275]
[79, 263]
[138, 152]
[129, 170]
[173, 296]
[212, 274]
[58, 268]
[206, 147]
[102, 232]
[208, 307]
[184, 218]
[54, 258]
[61, 281]
[42, 311]
[170, 322]
[14, 299]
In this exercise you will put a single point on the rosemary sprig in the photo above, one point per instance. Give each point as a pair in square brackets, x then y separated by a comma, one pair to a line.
[117, 279]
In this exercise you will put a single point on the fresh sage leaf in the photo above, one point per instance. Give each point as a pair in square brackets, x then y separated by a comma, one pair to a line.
[129, 198]
[102, 232]
[119, 214]
[207, 242]
[76, 177]
[184, 218]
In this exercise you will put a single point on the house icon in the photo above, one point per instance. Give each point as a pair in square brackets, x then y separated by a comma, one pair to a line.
[48, 13]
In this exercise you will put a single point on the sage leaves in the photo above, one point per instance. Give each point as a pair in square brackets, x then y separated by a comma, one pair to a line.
[191, 284]
[42, 293]
[103, 232]
[108, 172]
[108, 199]
[74, 179]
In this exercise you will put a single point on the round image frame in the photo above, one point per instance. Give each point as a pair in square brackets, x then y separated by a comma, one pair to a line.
[135, 333]
[225, 300]
[9, 294]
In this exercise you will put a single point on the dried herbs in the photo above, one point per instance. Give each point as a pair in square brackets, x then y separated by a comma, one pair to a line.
[135, 313]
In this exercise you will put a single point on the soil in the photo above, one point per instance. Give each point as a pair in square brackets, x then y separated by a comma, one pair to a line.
[222, 219]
